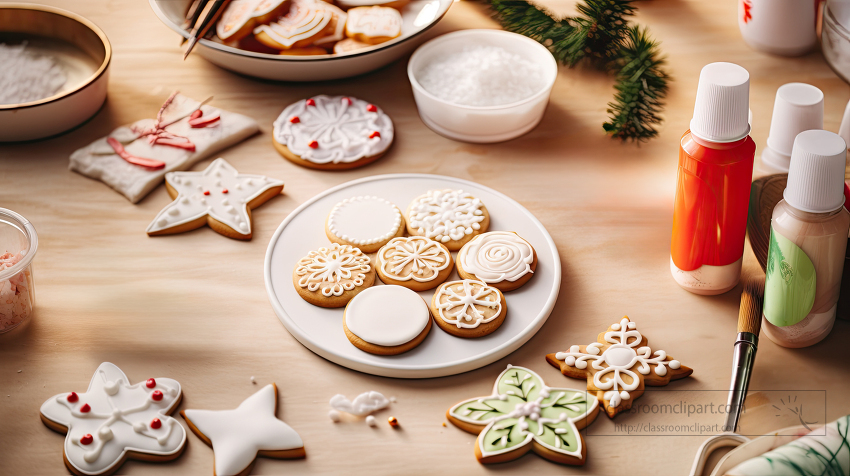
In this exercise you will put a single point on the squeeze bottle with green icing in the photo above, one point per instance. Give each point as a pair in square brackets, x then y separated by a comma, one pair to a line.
[808, 238]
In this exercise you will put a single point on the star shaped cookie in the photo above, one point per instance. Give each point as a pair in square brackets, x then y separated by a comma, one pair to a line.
[218, 196]
[239, 436]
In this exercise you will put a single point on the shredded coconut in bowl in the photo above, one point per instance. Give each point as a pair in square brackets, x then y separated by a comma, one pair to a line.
[26, 76]
[482, 76]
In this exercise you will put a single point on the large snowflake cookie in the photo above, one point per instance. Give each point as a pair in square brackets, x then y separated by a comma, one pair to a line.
[414, 262]
[217, 196]
[114, 420]
[333, 132]
[501, 259]
[524, 414]
[452, 217]
[468, 308]
[618, 366]
[365, 222]
[238, 436]
[332, 275]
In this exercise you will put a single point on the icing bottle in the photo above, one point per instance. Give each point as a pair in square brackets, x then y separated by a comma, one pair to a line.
[808, 238]
[713, 186]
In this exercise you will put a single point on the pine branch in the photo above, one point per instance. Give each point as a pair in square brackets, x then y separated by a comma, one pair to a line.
[520, 16]
[600, 30]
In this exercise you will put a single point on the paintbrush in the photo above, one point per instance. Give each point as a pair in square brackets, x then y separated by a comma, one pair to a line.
[192, 14]
[749, 325]
[208, 17]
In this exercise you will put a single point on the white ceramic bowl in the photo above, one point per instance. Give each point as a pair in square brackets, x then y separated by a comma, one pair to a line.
[417, 17]
[79, 47]
[479, 123]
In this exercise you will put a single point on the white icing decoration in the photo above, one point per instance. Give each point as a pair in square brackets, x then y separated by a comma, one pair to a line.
[422, 258]
[374, 22]
[363, 404]
[387, 315]
[619, 359]
[446, 215]
[334, 416]
[237, 435]
[342, 130]
[364, 220]
[463, 303]
[118, 422]
[371, 421]
[333, 270]
[217, 204]
[497, 256]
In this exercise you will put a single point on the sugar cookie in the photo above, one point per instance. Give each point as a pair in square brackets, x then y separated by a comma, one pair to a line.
[332, 132]
[501, 259]
[618, 365]
[468, 308]
[452, 217]
[113, 421]
[373, 24]
[335, 31]
[238, 436]
[386, 320]
[241, 16]
[348, 45]
[306, 22]
[365, 222]
[218, 196]
[331, 276]
[415, 262]
[523, 415]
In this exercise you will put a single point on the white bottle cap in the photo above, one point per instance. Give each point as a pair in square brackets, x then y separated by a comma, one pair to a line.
[722, 105]
[798, 107]
[816, 176]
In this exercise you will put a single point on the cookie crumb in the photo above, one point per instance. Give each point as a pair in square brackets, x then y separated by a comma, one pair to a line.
[334, 416]
[393, 421]
[253, 380]
[370, 420]
[444, 423]
[19, 371]
[393, 399]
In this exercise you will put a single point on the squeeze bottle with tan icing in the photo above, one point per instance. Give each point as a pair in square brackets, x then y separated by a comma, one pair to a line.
[808, 239]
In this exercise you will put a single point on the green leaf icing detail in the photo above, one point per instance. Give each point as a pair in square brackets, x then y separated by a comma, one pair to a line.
[521, 383]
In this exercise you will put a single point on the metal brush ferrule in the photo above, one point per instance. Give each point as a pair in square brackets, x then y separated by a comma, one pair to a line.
[742, 367]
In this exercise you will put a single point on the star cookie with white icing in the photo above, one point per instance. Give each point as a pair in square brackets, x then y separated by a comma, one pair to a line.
[218, 196]
[114, 420]
[238, 436]
[618, 366]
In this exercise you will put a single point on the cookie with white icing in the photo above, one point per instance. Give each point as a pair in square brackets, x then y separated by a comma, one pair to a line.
[373, 24]
[397, 4]
[238, 436]
[333, 132]
[415, 262]
[241, 17]
[114, 421]
[218, 196]
[386, 320]
[501, 259]
[452, 217]
[331, 276]
[366, 222]
[468, 308]
[307, 22]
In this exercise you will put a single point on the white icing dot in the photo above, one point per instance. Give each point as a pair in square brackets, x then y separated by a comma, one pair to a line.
[187, 182]
[176, 180]
[334, 416]
[243, 226]
[675, 364]
[139, 427]
[173, 211]
[161, 222]
[370, 420]
[105, 433]
[186, 200]
[615, 327]
[110, 387]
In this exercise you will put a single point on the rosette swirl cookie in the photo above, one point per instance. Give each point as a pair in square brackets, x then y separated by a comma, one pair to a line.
[331, 276]
[333, 132]
[414, 262]
[365, 222]
[501, 259]
[468, 308]
[452, 217]
[386, 320]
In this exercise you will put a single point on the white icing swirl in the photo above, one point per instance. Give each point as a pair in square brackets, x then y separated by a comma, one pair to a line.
[497, 256]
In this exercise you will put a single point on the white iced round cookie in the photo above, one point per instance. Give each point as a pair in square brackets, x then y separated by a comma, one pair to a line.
[501, 259]
[468, 308]
[333, 132]
[452, 217]
[365, 222]
[386, 320]
[414, 262]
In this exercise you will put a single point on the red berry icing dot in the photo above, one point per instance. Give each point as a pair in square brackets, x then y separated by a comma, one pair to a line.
[313, 144]
[86, 439]
[311, 102]
[374, 134]
[224, 191]
[156, 395]
[72, 397]
[294, 119]
[85, 408]
[206, 192]
[156, 424]
[372, 108]
[151, 383]
[346, 101]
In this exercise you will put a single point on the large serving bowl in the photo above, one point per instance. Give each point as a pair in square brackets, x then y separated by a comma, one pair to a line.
[417, 17]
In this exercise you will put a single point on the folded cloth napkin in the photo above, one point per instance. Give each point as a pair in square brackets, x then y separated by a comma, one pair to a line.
[99, 160]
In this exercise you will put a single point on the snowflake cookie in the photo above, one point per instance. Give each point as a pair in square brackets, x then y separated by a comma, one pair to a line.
[618, 366]
[332, 275]
[524, 414]
[468, 308]
[113, 421]
[414, 262]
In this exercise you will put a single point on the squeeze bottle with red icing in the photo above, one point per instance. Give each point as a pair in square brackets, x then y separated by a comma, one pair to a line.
[713, 185]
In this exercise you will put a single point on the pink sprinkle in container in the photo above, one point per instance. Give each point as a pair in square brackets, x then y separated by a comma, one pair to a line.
[18, 244]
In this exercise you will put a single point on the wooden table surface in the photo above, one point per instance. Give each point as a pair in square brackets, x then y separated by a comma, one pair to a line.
[193, 307]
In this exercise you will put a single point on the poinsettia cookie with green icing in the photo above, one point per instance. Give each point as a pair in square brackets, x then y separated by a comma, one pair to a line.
[522, 415]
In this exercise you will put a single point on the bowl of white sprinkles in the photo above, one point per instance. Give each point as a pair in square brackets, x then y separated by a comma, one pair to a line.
[482, 85]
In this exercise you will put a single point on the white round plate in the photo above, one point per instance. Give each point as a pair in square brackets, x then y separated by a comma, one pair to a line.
[441, 354]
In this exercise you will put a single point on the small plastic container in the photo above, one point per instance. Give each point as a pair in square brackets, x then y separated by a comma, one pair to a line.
[18, 244]
[481, 124]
